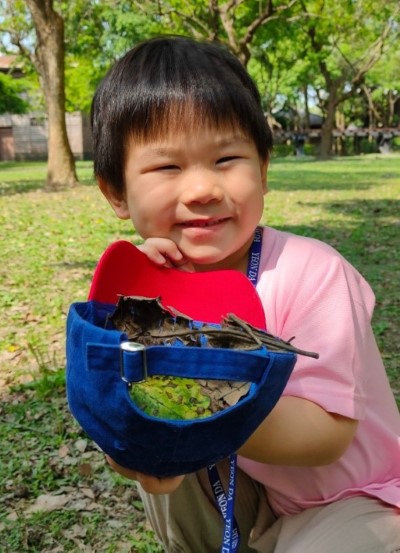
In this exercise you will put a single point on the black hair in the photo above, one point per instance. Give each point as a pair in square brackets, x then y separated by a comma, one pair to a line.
[167, 82]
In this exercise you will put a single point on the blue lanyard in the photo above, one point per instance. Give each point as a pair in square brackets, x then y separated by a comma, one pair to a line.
[226, 504]
[254, 256]
[231, 536]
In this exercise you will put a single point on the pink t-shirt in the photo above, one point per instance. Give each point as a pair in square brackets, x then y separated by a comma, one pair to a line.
[310, 291]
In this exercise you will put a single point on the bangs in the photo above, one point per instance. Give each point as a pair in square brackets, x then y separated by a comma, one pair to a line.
[188, 115]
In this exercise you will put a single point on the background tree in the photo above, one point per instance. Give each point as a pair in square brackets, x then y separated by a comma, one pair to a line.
[48, 58]
[234, 23]
[279, 71]
[97, 32]
[343, 40]
[382, 90]
[45, 49]
[296, 50]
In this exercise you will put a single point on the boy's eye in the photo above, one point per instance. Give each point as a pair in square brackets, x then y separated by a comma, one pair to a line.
[226, 159]
[167, 168]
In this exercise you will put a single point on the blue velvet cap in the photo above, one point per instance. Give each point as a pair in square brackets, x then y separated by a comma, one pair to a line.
[100, 370]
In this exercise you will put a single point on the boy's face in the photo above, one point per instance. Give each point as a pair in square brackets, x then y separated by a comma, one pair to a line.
[203, 190]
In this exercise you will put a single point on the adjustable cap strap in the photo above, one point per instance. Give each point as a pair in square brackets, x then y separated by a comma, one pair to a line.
[189, 362]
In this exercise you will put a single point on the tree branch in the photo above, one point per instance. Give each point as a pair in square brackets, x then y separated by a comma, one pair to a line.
[266, 15]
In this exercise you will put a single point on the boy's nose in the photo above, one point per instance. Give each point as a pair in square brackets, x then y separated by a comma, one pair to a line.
[202, 187]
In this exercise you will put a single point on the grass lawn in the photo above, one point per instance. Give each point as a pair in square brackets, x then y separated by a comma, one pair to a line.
[58, 495]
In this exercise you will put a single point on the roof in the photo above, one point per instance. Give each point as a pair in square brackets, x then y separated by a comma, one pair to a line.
[8, 65]
[6, 61]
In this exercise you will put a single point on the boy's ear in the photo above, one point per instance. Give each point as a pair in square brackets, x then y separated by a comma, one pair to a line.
[115, 199]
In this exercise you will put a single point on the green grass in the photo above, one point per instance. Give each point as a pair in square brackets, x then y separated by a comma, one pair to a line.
[50, 243]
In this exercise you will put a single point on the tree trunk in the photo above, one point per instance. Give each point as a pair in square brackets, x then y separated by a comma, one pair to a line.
[325, 149]
[49, 61]
[392, 99]
[306, 108]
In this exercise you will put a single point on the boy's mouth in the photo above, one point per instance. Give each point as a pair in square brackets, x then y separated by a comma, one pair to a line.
[202, 223]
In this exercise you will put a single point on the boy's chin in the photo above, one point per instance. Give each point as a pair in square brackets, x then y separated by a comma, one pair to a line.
[214, 258]
[211, 265]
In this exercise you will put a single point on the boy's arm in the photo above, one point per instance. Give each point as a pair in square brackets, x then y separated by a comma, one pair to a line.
[299, 432]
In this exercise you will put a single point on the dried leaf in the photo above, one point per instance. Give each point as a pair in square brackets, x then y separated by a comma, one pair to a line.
[85, 469]
[79, 505]
[81, 445]
[47, 503]
[76, 531]
[63, 451]
[88, 492]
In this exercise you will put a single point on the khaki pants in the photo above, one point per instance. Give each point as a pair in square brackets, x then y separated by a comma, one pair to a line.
[187, 521]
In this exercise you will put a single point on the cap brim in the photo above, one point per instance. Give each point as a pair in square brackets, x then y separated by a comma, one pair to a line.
[209, 296]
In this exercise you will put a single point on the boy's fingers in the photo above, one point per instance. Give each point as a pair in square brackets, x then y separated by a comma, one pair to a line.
[160, 249]
[157, 486]
[150, 484]
[184, 266]
[165, 252]
[128, 473]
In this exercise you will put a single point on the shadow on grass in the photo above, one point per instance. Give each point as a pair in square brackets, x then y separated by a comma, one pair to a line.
[340, 174]
[372, 227]
[88, 264]
[20, 187]
[13, 188]
[372, 209]
[367, 208]
[87, 181]
[292, 181]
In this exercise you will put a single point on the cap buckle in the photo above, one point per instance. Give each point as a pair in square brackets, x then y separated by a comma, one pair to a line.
[132, 347]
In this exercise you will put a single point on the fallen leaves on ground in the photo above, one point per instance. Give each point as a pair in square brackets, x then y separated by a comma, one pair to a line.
[58, 494]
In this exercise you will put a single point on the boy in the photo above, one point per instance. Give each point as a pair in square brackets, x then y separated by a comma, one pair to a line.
[181, 149]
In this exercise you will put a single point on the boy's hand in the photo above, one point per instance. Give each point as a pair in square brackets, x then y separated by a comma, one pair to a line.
[150, 484]
[163, 251]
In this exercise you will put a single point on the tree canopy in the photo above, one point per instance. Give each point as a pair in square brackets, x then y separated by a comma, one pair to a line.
[10, 95]
[329, 56]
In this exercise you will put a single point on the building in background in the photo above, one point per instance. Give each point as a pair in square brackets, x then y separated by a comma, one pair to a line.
[24, 137]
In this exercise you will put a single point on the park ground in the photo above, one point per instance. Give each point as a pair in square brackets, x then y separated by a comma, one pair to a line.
[57, 493]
